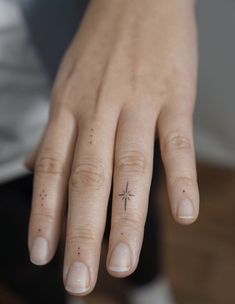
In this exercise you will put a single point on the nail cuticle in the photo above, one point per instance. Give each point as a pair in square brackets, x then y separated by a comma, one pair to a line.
[185, 209]
[78, 278]
[39, 253]
[120, 260]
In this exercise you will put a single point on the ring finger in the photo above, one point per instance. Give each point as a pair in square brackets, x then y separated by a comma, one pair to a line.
[132, 180]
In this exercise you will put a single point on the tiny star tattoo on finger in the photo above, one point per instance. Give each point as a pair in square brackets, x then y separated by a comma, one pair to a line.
[126, 195]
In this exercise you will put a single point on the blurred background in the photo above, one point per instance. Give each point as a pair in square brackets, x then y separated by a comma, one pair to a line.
[189, 265]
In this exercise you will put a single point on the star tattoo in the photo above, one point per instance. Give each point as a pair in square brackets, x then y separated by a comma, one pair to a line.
[126, 195]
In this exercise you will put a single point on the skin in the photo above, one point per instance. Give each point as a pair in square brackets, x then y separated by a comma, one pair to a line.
[128, 78]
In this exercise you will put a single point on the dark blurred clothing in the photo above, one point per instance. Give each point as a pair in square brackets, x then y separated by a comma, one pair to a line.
[33, 284]
[52, 25]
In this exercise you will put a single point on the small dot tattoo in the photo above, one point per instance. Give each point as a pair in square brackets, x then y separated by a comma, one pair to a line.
[78, 250]
[43, 195]
[91, 135]
[183, 191]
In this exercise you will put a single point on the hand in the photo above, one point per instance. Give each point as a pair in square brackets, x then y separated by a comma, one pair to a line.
[128, 77]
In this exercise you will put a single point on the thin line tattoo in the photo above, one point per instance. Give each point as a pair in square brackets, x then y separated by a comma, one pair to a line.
[126, 195]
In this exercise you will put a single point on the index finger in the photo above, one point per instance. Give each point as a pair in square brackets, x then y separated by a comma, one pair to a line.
[50, 187]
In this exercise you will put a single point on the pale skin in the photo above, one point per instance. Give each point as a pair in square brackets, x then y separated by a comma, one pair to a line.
[128, 78]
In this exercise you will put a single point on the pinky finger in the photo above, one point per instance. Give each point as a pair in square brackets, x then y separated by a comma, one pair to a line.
[178, 155]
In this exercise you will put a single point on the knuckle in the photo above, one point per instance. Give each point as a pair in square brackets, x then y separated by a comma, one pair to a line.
[82, 235]
[132, 161]
[87, 174]
[60, 92]
[176, 142]
[134, 222]
[49, 165]
[43, 217]
[187, 181]
[57, 95]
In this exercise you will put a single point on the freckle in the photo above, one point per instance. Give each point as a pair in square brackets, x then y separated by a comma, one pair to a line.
[39, 230]
[122, 233]
[42, 205]
[183, 190]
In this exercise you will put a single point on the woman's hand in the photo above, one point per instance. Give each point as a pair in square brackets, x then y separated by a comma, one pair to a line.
[128, 77]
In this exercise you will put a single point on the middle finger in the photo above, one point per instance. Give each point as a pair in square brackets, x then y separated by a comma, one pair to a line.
[132, 179]
[89, 189]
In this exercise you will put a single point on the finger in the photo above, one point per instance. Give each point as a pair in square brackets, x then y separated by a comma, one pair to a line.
[178, 155]
[89, 189]
[31, 160]
[132, 180]
[50, 186]
[32, 157]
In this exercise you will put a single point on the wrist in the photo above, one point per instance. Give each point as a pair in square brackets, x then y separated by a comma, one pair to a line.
[166, 5]
[122, 11]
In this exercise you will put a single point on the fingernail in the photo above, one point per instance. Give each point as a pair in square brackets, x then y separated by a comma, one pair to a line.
[39, 251]
[78, 278]
[120, 260]
[185, 209]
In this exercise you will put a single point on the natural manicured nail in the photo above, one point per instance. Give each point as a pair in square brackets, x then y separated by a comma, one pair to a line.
[39, 251]
[185, 209]
[78, 278]
[120, 260]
